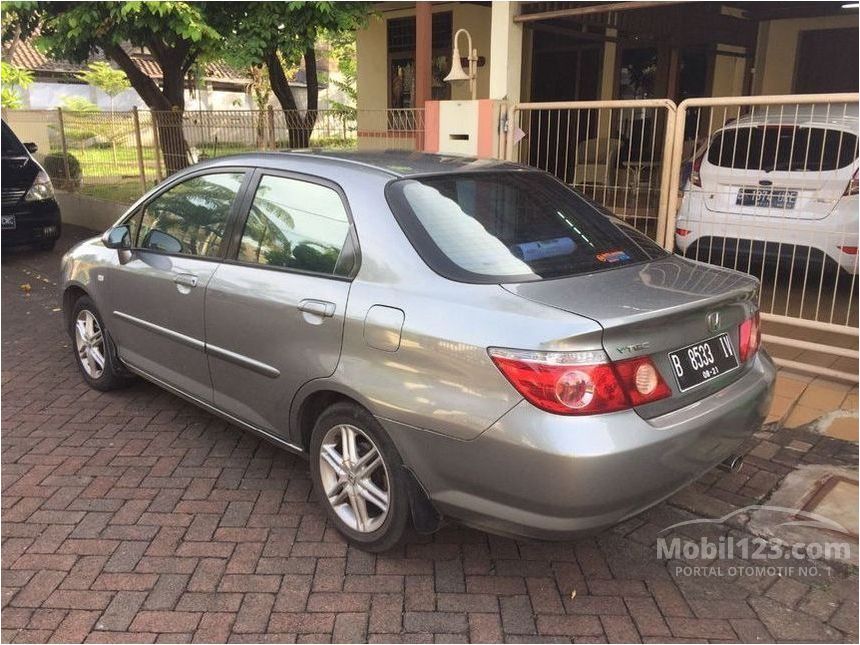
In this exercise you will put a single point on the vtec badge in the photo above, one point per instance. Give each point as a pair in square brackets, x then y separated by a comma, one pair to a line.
[629, 349]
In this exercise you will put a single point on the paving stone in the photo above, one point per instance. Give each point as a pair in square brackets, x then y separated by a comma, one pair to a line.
[132, 516]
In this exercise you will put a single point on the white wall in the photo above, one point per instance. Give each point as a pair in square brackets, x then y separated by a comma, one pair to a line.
[48, 96]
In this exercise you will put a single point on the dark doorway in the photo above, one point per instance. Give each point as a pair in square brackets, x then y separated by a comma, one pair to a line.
[563, 70]
[638, 73]
[826, 61]
[693, 75]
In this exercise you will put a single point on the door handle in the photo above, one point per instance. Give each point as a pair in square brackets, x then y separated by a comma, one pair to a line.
[322, 308]
[185, 280]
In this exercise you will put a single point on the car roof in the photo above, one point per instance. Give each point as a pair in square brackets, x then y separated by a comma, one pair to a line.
[824, 115]
[394, 163]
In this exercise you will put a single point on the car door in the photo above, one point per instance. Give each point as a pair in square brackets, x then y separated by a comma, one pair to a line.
[157, 289]
[275, 307]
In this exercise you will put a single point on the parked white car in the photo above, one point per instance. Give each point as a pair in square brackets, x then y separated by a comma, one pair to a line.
[778, 183]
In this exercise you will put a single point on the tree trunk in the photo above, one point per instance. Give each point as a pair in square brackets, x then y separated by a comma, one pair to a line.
[167, 105]
[171, 139]
[171, 135]
[299, 126]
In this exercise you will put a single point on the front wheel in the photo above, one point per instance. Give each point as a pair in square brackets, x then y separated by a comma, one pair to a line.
[359, 477]
[94, 351]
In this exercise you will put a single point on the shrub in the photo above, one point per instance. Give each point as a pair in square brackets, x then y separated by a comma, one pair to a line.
[55, 166]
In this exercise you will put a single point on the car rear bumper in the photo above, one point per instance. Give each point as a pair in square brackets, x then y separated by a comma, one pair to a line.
[35, 222]
[717, 235]
[547, 476]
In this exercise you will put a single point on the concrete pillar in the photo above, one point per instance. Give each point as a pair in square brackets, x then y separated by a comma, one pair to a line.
[607, 78]
[423, 51]
[506, 52]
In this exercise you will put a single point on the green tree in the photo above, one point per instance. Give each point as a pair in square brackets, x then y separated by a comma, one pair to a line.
[13, 78]
[18, 18]
[343, 51]
[79, 104]
[104, 77]
[176, 34]
[279, 35]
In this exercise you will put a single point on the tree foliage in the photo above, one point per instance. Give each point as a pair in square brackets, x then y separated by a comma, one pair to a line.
[343, 51]
[183, 36]
[109, 80]
[13, 78]
[176, 34]
[280, 34]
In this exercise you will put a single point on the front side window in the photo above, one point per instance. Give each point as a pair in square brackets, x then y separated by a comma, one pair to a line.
[191, 217]
[510, 227]
[295, 224]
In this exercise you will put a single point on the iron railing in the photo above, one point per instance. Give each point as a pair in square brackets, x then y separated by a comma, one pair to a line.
[678, 174]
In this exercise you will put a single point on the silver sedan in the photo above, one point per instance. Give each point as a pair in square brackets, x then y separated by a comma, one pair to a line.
[442, 336]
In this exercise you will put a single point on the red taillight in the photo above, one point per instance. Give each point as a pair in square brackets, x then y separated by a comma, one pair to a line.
[642, 381]
[683, 232]
[749, 336]
[695, 174]
[853, 187]
[850, 250]
[579, 383]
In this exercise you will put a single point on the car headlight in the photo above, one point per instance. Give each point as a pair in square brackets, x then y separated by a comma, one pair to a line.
[41, 188]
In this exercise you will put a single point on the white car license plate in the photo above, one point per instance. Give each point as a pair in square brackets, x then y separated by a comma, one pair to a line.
[7, 221]
[703, 361]
[767, 198]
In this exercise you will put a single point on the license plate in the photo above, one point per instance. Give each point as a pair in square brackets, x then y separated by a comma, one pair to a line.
[767, 198]
[7, 221]
[703, 361]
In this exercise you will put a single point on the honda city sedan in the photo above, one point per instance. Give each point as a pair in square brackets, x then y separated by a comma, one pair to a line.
[441, 336]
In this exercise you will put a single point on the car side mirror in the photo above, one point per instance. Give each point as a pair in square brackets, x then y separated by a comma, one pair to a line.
[118, 237]
[31, 147]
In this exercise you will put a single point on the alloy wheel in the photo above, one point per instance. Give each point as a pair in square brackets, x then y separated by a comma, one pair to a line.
[90, 344]
[355, 478]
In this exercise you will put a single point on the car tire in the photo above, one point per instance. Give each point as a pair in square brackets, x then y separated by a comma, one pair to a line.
[355, 488]
[95, 353]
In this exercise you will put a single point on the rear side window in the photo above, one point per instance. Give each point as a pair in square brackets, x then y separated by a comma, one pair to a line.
[295, 224]
[509, 226]
[190, 218]
[779, 147]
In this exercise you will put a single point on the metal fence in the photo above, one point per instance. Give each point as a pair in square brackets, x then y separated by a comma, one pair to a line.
[768, 185]
[764, 185]
[119, 154]
[611, 151]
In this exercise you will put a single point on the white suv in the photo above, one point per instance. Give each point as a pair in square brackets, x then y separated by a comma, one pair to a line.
[779, 182]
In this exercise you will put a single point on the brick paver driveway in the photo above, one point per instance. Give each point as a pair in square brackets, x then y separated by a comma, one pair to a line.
[133, 516]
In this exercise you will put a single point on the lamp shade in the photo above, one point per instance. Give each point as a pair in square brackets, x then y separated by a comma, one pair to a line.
[457, 73]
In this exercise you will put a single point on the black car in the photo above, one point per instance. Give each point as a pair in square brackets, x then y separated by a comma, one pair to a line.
[30, 214]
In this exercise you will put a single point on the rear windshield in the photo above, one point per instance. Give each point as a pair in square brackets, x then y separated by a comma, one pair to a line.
[11, 146]
[783, 148]
[510, 226]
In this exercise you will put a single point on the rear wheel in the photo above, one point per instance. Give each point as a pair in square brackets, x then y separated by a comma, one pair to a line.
[359, 477]
[94, 349]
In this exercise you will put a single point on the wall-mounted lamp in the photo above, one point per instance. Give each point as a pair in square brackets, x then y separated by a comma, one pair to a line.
[457, 73]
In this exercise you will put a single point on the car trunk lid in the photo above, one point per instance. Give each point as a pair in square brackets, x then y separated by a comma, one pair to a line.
[655, 308]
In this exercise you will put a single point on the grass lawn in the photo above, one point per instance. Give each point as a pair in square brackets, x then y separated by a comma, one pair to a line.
[123, 192]
[114, 173]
